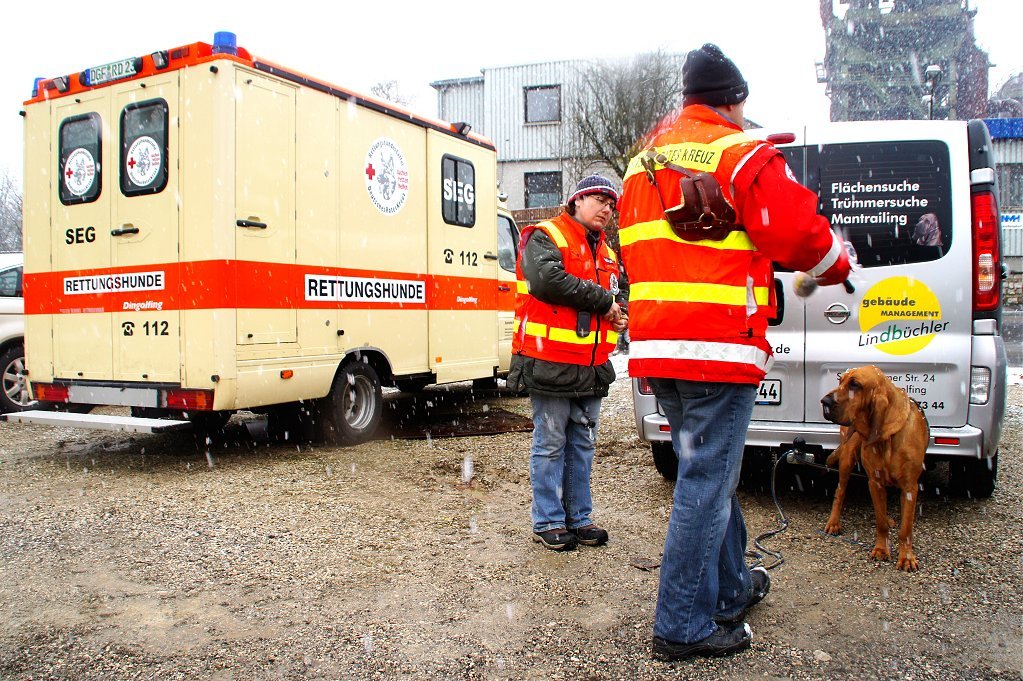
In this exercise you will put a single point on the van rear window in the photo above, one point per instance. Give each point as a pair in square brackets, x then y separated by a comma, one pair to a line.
[892, 200]
[80, 167]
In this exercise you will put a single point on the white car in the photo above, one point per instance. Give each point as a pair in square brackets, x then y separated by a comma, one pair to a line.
[14, 396]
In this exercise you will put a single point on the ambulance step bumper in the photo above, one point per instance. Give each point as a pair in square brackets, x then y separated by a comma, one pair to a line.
[131, 424]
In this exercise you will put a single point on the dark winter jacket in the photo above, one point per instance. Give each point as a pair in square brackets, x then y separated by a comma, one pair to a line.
[544, 269]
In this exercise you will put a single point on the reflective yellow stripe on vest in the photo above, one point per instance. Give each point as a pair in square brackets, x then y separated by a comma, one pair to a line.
[683, 292]
[660, 229]
[564, 335]
[522, 287]
[691, 155]
[559, 238]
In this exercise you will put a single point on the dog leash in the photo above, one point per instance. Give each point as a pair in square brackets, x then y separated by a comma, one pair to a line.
[796, 455]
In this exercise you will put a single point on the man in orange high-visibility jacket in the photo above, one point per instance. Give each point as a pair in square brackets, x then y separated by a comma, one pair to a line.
[567, 323]
[699, 309]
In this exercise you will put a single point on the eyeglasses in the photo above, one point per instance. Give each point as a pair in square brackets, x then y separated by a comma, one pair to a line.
[603, 200]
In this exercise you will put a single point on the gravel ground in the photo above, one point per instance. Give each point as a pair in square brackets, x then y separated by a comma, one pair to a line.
[141, 557]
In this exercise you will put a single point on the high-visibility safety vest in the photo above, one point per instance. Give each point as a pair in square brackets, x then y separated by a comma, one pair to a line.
[549, 332]
[698, 310]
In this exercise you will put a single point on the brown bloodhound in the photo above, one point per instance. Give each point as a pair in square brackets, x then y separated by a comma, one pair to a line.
[887, 433]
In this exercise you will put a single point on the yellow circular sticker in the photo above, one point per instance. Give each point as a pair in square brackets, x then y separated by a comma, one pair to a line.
[900, 316]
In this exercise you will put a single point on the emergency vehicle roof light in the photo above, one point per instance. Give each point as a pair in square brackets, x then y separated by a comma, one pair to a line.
[225, 42]
[160, 60]
[462, 128]
[60, 82]
[35, 85]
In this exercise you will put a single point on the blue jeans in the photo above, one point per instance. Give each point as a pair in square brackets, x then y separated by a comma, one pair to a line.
[703, 571]
[561, 459]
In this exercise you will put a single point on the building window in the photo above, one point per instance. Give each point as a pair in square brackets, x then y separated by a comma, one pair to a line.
[543, 104]
[1010, 186]
[543, 189]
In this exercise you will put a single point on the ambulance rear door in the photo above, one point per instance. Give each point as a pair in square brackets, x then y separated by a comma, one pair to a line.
[265, 208]
[144, 229]
[899, 192]
[463, 258]
[81, 241]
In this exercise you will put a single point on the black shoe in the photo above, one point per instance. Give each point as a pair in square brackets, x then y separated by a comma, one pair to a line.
[761, 585]
[591, 535]
[558, 539]
[726, 640]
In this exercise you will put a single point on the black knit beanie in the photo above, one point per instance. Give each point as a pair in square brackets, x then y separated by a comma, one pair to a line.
[709, 77]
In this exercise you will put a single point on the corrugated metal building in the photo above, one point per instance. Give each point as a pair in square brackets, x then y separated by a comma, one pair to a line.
[526, 111]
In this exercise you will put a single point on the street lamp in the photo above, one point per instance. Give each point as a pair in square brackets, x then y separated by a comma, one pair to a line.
[932, 74]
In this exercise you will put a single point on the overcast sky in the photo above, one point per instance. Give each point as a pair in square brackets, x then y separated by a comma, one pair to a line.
[354, 45]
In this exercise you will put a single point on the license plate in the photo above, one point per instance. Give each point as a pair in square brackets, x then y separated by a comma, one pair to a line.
[769, 391]
[115, 70]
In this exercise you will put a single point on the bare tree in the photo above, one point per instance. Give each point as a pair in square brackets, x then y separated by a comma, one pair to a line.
[10, 213]
[619, 102]
[388, 90]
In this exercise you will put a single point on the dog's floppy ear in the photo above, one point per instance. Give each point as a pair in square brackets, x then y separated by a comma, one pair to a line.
[889, 410]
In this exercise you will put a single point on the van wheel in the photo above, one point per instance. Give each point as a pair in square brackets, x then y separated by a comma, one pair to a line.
[14, 393]
[665, 460]
[350, 414]
[972, 477]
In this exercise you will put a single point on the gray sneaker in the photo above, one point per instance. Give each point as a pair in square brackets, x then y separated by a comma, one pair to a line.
[761, 585]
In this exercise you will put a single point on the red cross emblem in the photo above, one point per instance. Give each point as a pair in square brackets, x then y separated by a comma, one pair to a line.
[370, 171]
[131, 163]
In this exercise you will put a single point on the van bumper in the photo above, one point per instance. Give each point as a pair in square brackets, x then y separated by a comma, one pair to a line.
[969, 440]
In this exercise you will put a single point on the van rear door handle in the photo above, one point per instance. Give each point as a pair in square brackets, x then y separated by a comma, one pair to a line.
[124, 229]
[503, 287]
[251, 223]
[489, 256]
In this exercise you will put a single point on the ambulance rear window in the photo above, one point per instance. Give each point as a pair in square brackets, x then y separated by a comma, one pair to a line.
[144, 148]
[80, 167]
[892, 200]
[458, 200]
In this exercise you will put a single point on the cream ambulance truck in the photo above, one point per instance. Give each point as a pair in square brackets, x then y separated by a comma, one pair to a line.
[917, 201]
[206, 231]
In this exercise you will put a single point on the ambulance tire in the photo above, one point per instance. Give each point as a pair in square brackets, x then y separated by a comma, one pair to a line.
[973, 478]
[351, 413]
[665, 460]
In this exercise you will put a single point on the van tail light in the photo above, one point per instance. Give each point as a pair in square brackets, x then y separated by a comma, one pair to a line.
[987, 285]
[644, 386]
[189, 400]
[48, 392]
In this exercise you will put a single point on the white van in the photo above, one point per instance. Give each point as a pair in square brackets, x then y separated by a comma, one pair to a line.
[917, 201]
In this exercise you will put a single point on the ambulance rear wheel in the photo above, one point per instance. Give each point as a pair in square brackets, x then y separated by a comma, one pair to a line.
[350, 414]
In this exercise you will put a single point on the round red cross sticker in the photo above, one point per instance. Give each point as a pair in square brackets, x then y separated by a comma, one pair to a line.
[144, 159]
[79, 171]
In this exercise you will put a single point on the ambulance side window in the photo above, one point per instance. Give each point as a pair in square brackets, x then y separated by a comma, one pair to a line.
[507, 243]
[458, 197]
[144, 148]
[892, 200]
[79, 161]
